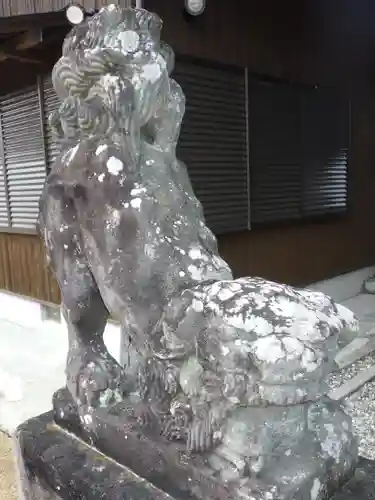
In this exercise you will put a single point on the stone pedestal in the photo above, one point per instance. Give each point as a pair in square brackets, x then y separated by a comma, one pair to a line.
[56, 462]
[56, 465]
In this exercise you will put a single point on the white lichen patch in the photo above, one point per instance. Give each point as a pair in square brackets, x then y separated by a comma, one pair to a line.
[137, 191]
[269, 349]
[234, 287]
[197, 305]
[100, 149]
[195, 272]
[309, 361]
[225, 350]
[87, 419]
[195, 253]
[129, 40]
[293, 346]
[114, 165]
[136, 203]
[225, 294]
[149, 250]
[151, 72]
[315, 490]
[256, 325]
[333, 443]
[282, 306]
[70, 155]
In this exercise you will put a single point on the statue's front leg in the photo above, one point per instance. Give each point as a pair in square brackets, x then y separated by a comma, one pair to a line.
[94, 377]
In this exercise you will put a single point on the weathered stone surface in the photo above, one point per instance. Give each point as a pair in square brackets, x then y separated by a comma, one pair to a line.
[230, 374]
[361, 486]
[60, 466]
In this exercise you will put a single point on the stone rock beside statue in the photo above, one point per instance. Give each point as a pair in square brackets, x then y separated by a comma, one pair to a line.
[369, 285]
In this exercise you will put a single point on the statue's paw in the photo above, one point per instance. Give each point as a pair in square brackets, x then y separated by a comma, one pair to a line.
[162, 377]
[144, 415]
[173, 430]
[95, 378]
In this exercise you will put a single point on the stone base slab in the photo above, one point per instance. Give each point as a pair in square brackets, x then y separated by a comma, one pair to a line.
[57, 463]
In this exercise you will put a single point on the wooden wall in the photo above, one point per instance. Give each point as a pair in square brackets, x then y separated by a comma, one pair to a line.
[314, 42]
[310, 41]
[23, 268]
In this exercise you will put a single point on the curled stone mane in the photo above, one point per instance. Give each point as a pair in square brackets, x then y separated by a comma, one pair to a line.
[104, 62]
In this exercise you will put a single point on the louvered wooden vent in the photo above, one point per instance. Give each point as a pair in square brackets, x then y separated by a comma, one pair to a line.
[325, 149]
[23, 160]
[255, 150]
[4, 213]
[299, 144]
[213, 142]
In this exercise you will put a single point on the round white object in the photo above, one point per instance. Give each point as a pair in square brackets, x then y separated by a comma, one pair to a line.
[129, 41]
[75, 14]
[195, 7]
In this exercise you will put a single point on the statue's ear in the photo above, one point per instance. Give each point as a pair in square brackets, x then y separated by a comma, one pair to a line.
[167, 53]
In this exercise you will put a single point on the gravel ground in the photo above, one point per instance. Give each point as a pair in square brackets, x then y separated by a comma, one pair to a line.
[360, 405]
[8, 490]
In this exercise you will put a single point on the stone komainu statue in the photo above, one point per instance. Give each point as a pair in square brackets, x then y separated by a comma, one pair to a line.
[234, 369]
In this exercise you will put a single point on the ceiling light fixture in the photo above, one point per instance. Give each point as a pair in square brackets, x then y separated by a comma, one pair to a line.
[75, 14]
[195, 7]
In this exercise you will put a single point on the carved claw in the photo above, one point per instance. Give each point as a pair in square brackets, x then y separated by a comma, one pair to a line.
[94, 378]
[162, 378]
[200, 437]
[173, 430]
[170, 381]
[176, 426]
[144, 415]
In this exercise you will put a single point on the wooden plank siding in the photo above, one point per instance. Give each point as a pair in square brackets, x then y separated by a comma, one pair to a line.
[23, 268]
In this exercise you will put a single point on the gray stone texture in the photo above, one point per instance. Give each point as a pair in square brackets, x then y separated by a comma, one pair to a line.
[233, 370]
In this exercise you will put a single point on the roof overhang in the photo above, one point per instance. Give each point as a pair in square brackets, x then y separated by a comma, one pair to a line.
[25, 38]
